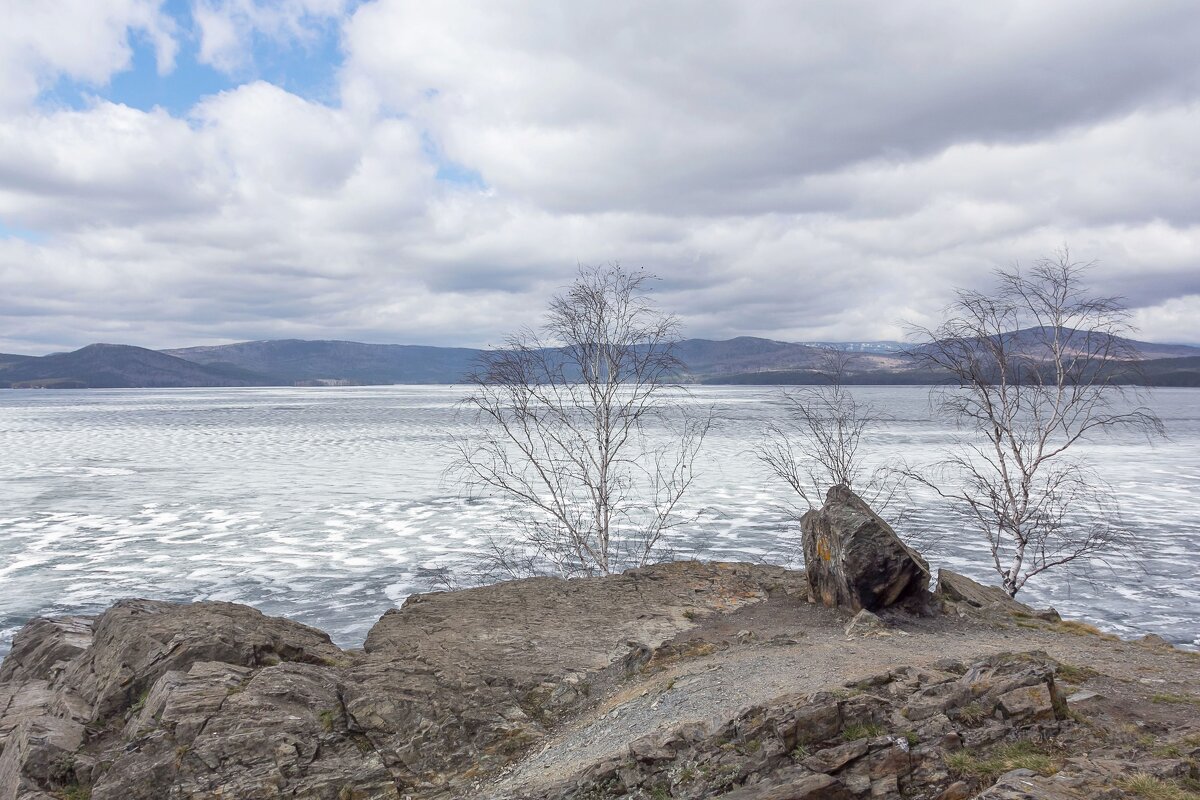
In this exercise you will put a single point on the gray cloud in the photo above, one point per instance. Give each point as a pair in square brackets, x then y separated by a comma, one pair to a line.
[808, 170]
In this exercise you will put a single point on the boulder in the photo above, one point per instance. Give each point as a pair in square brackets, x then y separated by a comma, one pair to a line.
[38, 757]
[136, 641]
[854, 559]
[279, 731]
[44, 647]
[960, 589]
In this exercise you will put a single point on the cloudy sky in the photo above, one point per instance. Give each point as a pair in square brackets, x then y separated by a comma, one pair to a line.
[204, 171]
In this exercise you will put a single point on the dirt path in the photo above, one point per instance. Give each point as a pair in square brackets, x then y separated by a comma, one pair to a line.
[788, 646]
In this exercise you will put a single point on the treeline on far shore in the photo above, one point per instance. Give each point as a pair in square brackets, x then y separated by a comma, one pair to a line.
[1164, 372]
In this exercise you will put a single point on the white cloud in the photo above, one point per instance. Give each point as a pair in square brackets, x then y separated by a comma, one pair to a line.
[1173, 320]
[228, 28]
[673, 105]
[798, 171]
[84, 40]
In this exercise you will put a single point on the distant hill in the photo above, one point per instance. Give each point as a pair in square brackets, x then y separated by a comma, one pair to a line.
[117, 366]
[293, 360]
[710, 361]
[289, 362]
[1168, 372]
[705, 357]
[8, 359]
[1031, 342]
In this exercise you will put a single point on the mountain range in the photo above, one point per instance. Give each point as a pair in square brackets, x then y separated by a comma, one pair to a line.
[292, 362]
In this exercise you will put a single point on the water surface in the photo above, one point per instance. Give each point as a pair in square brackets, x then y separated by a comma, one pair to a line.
[329, 505]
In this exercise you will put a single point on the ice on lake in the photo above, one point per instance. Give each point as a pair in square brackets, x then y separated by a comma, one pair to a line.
[329, 505]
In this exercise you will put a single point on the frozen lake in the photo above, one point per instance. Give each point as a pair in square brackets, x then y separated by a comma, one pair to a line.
[324, 505]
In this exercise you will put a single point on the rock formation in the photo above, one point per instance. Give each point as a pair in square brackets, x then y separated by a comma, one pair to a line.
[961, 589]
[215, 697]
[681, 680]
[886, 736]
[854, 559]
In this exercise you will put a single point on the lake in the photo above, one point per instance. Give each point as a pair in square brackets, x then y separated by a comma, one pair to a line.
[329, 505]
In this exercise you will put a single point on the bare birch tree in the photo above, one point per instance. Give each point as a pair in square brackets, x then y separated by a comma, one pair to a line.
[1033, 366]
[815, 444]
[581, 425]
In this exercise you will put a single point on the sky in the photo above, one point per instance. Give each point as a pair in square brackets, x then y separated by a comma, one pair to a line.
[204, 171]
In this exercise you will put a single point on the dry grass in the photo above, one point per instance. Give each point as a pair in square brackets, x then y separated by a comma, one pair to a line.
[1073, 674]
[1077, 628]
[868, 731]
[1154, 788]
[1022, 754]
[1176, 699]
[972, 714]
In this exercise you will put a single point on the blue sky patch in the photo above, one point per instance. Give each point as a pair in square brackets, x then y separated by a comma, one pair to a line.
[307, 68]
[8, 231]
[449, 171]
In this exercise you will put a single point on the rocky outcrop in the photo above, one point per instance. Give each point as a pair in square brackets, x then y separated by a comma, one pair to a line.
[219, 730]
[137, 641]
[866, 624]
[45, 647]
[855, 560]
[480, 674]
[889, 736]
[38, 753]
[71, 685]
[960, 589]
[153, 699]
[1098, 779]
[548, 690]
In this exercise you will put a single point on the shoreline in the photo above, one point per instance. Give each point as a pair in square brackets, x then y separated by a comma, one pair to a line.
[554, 690]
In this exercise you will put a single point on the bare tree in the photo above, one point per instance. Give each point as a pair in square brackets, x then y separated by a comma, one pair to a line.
[1033, 366]
[582, 427]
[816, 443]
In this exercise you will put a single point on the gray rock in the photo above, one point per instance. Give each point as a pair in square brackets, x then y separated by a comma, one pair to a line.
[854, 559]
[20, 701]
[473, 677]
[1022, 784]
[137, 641]
[284, 732]
[1028, 704]
[1154, 640]
[961, 589]
[804, 787]
[39, 756]
[866, 624]
[833, 759]
[214, 700]
[44, 647]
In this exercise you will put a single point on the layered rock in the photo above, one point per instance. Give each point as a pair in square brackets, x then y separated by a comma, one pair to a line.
[219, 730]
[855, 560]
[888, 737]
[961, 589]
[153, 700]
[463, 695]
